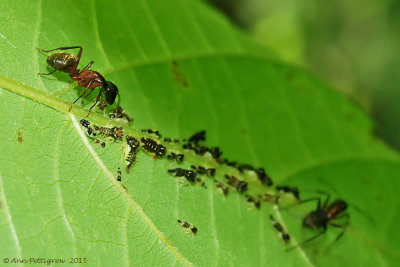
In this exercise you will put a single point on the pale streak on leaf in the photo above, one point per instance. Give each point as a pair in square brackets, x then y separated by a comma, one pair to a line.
[301, 251]
[11, 224]
[128, 198]
[61, 200]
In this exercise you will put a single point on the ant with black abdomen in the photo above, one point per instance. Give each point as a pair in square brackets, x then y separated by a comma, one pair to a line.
[89, 79]
[324, 215]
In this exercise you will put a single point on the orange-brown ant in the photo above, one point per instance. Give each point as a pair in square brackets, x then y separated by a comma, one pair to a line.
[89, 79]
[323, 216]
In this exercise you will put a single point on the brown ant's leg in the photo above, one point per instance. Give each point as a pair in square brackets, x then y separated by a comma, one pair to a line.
[318, 199]
[343, 226]
[96, 100]
[307, 240]
[87, 87]
[328, 196]
[91, 90]
[88, 65]
[40, 74]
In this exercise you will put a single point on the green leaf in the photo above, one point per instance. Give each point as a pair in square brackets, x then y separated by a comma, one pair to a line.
[180, 67]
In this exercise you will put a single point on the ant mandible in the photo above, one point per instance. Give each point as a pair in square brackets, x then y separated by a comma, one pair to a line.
[324, 215]
[86, 78]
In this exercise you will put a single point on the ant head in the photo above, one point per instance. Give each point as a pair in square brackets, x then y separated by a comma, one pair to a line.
[315, 219]
[110, 92]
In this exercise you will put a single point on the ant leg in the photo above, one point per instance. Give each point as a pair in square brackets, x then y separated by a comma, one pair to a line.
[87, 87]
[96, 100]
[343, 226]
[318, 199]
[91, 90]
[307, 240]
[40, 74]
[328, 196]
[88, 65]
[312, 199]
[119, 98]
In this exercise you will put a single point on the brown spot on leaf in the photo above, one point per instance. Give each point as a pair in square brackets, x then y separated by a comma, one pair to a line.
[178, 75]
[20, 137]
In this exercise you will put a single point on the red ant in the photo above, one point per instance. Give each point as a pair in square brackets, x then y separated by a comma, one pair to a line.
[89, 79]
[323, 216]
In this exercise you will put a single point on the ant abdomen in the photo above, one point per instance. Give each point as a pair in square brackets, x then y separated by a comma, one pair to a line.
[61, 61]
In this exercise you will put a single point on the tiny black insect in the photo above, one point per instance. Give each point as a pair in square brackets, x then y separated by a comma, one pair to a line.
[288, 189]
[241, 186]
[133, 144]
[224, 188]
[270, 198]
[177, 157]
[89, 129]
[188, 174]
[215, 152]
[227, 162]
[324, 215]
[150, 131]
[97, 141]
[189, 226]
[199, 150]
[115, 132]
[119, 175]
[285, 236]
[118, 113]
[201, 182]
[202, 170]
[197, 137]
[167, 139]
[152, 146]
[243, 167]
[84, 123]
[256, 202]
[263, 177]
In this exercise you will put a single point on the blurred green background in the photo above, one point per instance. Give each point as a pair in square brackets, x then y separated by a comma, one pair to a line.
[353, 45]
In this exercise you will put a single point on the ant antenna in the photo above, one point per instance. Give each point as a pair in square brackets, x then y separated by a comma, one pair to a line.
[369, 217]
[119, 99]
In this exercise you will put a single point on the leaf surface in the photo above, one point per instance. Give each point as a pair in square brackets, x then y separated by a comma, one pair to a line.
[180, 68]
